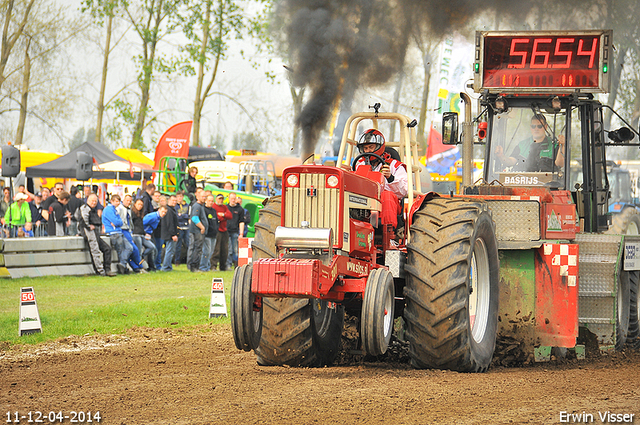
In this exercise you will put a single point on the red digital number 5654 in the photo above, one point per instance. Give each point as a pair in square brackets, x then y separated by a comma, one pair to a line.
[562, 54]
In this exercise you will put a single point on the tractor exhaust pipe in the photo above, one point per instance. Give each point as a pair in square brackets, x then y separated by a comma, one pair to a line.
[303, 238]
[467, 144]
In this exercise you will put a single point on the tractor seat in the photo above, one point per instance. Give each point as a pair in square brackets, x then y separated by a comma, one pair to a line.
[392, 153]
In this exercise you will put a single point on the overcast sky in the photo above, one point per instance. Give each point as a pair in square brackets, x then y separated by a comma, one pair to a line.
[247, 100]
[258, 106]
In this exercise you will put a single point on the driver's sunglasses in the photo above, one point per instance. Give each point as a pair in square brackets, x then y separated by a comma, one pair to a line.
[538, 126]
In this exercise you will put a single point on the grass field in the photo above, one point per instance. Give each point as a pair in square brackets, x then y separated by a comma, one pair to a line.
[77, 305]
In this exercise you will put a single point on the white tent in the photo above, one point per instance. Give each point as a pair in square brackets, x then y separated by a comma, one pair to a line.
[123, 167]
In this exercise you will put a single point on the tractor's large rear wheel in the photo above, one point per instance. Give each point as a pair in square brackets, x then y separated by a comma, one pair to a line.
[623, 308]
[452, 286]
[633, 227]
[295, 332]
[627, 222]
[299, 332]
[633, 334]
[633, 338]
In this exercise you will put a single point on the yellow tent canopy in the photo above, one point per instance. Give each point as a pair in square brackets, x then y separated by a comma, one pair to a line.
[134, 156]
[32, 158]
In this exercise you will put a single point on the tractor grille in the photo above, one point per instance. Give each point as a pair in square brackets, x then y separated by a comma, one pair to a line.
[320, 207]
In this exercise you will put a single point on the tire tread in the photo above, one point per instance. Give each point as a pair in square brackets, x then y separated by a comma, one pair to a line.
[436, 291]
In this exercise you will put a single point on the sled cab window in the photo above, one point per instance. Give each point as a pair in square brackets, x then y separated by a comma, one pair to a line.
[527, 148]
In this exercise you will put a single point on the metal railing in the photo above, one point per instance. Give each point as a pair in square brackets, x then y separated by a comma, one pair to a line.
[10, 231]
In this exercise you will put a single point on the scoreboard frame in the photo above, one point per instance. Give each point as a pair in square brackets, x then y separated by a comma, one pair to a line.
[545, 62]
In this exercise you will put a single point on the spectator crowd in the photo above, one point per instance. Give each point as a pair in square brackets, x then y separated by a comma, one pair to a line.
[148, 230]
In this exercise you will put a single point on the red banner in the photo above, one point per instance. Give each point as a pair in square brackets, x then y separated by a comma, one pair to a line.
[174, 142]
[434, 143]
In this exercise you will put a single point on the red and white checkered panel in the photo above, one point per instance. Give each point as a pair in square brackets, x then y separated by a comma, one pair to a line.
[244, 251]
[566, 258]
[525, 198]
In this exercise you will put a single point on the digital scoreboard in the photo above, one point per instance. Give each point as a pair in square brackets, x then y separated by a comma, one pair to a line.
[542, 61]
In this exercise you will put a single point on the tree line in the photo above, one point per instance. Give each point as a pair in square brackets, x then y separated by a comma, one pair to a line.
[164, 39]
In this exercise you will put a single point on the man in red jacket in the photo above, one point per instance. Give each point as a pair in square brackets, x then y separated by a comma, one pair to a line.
[221, 250]
[395, 173]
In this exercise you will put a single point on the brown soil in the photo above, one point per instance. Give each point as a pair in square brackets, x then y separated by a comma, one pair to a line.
[152, 376]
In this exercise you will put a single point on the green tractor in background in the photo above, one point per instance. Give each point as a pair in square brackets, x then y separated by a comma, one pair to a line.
[173, 173]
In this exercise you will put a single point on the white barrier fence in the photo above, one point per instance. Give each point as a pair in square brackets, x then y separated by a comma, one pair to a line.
[46, 256]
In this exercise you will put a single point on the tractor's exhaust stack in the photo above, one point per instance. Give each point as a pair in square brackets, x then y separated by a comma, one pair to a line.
[467, 143]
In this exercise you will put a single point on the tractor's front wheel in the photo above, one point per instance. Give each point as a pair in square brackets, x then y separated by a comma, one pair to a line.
[452, 286]
[377, 312]
[246, 316]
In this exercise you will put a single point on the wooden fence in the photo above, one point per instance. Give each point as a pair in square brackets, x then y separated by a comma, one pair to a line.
[34, 257]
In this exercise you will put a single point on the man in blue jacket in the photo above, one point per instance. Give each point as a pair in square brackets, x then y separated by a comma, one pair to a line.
[151, 222]
[112, 223]
[124, 211]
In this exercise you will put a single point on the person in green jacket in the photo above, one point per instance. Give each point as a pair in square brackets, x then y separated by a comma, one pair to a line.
[18, 214]
[535, 153]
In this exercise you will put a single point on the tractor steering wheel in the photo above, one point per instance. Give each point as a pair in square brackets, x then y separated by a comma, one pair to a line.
[367, 161]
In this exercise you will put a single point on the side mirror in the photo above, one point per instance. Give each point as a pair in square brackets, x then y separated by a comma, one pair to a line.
[621, 135]
[450, 128]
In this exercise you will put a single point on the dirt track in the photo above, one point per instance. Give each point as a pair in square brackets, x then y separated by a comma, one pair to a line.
[170, 377]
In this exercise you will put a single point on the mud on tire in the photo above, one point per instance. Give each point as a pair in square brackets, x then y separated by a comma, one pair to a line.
[452, 261]
[295, 332]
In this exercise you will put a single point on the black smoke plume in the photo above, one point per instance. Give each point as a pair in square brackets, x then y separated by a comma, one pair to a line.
[338, 46]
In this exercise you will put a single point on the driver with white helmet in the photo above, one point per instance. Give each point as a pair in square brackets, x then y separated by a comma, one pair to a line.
[395, 172]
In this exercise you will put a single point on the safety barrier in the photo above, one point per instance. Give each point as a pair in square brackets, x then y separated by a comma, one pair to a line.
[34, 257]
[8, 231]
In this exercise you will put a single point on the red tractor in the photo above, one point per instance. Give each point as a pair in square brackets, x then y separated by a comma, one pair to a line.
[526, 254]
[320, 250]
